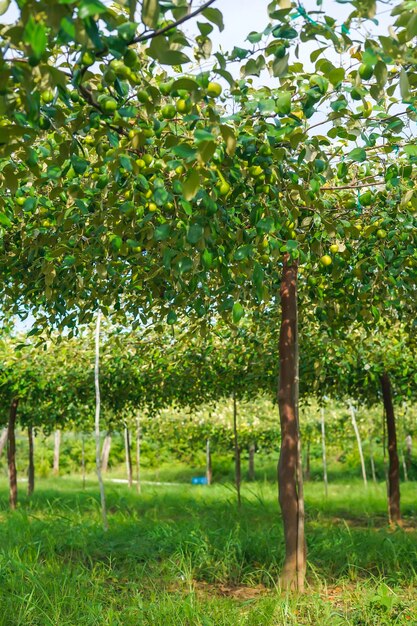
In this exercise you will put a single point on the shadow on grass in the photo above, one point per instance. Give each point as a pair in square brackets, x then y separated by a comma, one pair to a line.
[199, 533]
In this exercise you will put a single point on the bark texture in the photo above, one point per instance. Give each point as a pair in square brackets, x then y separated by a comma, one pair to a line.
[289, 466]
[31, 465]
[393, 462]
[11, 453]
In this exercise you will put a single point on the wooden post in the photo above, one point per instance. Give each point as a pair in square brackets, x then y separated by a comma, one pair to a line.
[57, 445]
[97, 422]
[11, 453]
[83, 458]
[138, 485]
[359, 442]
[3, 440]
[237, 451]
[31, 465]
[106, 453]
[251, 472]
[323, 447]
[128, 458]
[371, 454]
[209, 473]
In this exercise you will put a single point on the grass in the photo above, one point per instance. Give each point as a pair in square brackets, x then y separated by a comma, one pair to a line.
[183, 555]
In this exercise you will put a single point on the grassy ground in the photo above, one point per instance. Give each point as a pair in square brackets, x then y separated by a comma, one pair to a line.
[183, 555]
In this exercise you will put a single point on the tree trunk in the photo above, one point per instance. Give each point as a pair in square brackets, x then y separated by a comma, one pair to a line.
[251, 472]
[106, 453]
[57, 445]
[209, 472]
[97, 422]
[3, 440]
[138, 485]
[128, 458]
[83, 459]
[371, 454]
[289, 467]
[404, 466]
[409, 444]
[31, 466]
[323, 447]
[393, 466]
[11, 453]
[237, 452]
[359, 441]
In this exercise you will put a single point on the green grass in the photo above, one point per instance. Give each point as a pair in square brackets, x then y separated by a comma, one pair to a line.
[183, 555]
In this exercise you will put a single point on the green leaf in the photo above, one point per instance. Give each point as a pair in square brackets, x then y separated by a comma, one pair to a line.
[237, 312]
[229, 139]
[185, 83]
[411, 150]
[150, 13]
[254, 37]
[283, 105]
[195, 232]
[215, 17]
[206, 149]
[336, 75]
[160, 50]
[412, 27]
[172, 317]
[201, 134]
[4, 220]
[162, 232]
[35, 35]
[207, 258]
[126, 162]
[285, 32]
[116, 242]
[280, 66]
[404, 85]
[89, 8]
[80, 165]
[161, 196]
[184, 151]
[243, 252]
[185, 265]
[265, 225]
[316, 53]
[358, 154]
[30, 204]
[191, 184]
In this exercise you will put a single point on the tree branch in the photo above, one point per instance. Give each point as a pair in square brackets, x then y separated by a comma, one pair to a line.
[165, 29]
[353, 186]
